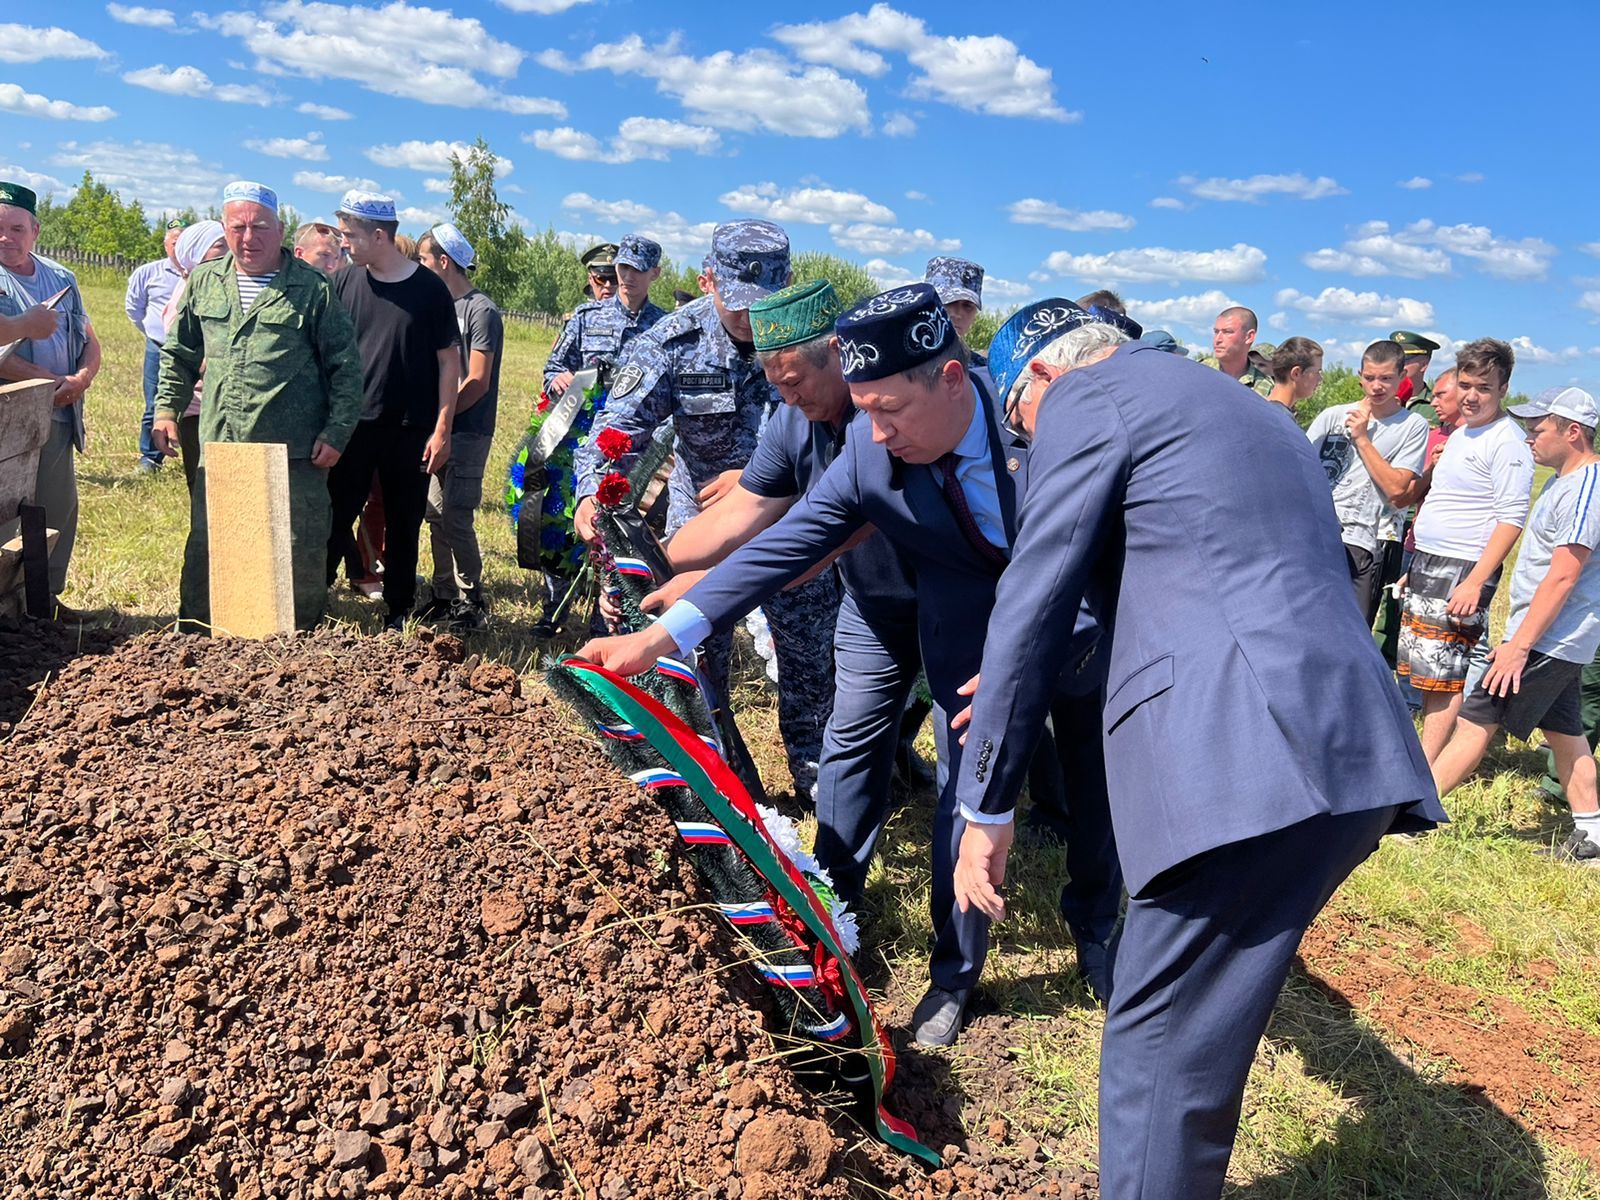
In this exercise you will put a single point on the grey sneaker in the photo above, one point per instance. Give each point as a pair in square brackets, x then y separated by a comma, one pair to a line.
[1577, 850]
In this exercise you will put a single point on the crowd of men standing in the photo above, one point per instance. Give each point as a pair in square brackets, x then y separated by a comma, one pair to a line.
[1034, 532]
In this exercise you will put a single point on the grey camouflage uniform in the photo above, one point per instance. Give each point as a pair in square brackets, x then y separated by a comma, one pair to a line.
[687, 368]
[600, 330]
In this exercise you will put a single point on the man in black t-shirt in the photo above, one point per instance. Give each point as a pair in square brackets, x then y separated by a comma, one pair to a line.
[406, 331]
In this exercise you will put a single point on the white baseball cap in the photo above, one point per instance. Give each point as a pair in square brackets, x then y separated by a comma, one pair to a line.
[1572, 403]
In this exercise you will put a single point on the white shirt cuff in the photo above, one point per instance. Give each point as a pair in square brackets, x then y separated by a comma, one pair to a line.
[687, 625]
[983, 818]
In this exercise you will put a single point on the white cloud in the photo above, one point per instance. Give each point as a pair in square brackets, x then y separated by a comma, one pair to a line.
[755, 89]
[546, 8]
[1589, 302]
[1193, 312]
[885, 241]
[138, 14]
[39, 182]
[336, 185]
[1240, 263]
[1470, 177]
[309, 148]
[898, 124]
[1342, 306]
[326, 112]
[412, 217]
[889, 274]
[1168, 202]
[1528, 351]
[1424, 248]
[32, 43]
[1256, 188]
[162, 177]
[30, 104]
[807, 205]
[981, 74]
[1053, 216]
[1005, 292]
[924, 196]
[396, 49]
[195, 83]
[637, 138]
[684, 240]
[430, 156]
[439, 187]
[1591, 248]
[1415, 183]
[1373, 249]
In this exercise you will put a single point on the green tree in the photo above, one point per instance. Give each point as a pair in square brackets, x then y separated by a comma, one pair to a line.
[96, 221]
[1340, 385]
[548, 276]
[986, 326]
[485, 221]
[672, 278]
[849, 279]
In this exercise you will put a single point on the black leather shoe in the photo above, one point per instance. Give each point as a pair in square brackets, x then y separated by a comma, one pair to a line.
[1095, 960]
[937, 1018]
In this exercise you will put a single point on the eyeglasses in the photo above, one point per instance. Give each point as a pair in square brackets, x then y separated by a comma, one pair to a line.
[604, 276]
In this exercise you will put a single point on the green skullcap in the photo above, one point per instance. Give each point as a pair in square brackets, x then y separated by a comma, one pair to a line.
[795, 314]
[18, 196]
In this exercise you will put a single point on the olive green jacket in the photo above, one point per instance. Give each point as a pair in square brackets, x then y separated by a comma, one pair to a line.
[287, 371]
[1254, 377]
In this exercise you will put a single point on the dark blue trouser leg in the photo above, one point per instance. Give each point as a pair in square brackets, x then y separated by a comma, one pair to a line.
[801, 622]
[960, 940]
[1205, 950]
[876, 664]
[152, 374]
[1092, 898]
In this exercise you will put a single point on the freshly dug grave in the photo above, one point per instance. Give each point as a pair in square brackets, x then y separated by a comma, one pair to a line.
[331, 916]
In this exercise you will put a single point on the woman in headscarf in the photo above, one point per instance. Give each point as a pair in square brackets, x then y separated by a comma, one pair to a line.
[199, 243]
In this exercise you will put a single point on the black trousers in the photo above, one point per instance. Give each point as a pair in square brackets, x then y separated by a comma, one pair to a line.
[395, 453]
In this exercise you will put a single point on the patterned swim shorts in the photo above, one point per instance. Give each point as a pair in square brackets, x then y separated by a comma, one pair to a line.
[1435, 647]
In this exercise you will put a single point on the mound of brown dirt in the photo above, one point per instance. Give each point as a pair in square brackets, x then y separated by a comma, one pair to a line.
[328, 917]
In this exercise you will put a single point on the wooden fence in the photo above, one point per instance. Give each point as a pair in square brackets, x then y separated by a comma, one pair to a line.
[121, 262]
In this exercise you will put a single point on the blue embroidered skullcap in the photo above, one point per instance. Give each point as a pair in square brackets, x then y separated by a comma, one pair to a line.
[256, 193]
[637, 252]
[749, 260]
[450, 239]
[368, 206]
[893, 332]
[955, 279]
[1019, 341]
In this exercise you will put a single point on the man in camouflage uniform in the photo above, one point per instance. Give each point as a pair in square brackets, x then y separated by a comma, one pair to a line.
[1419, 354]
[698, 367]
[281, 367]
[1232, 336]
[597, 335]
[959, 282]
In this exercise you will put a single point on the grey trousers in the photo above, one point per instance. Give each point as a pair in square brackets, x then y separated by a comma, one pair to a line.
[56, 489]
[453, 498]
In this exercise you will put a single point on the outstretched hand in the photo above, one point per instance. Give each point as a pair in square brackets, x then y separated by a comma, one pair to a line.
[980, 871]
[630, 654]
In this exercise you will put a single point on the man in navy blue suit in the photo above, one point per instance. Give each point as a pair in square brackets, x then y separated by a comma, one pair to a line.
[939, 477]
[1253, 759]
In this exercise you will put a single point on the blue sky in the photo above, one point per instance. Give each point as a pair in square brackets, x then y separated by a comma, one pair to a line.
[1343, 171]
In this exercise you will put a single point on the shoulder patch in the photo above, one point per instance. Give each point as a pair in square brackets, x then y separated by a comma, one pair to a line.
[627, 381]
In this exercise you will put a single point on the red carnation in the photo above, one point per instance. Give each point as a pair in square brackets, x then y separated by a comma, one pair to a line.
[613, 490]
[614, 444]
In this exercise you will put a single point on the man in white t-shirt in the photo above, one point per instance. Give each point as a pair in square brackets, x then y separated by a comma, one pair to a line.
[1373, 455]
[1476, 506]
[1533, 681]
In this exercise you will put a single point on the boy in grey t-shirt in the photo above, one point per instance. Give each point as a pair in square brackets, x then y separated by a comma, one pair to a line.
[1373, 454]
[1554, 627]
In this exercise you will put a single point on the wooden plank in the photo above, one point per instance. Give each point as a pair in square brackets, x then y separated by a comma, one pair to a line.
[247, 518]
[11, 560]
[35, 562]
[25, 409]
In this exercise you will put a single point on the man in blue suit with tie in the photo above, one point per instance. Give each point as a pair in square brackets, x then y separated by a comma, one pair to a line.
[939, 477]
[1256, 747]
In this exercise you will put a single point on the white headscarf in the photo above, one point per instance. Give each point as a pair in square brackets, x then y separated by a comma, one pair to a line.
[193, 243]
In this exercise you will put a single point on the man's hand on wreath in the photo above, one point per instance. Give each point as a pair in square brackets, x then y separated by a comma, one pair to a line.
[632, 654]
[583, 520]
[670, 592]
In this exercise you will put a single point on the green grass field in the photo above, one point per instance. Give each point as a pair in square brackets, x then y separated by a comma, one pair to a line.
[1355, 1093]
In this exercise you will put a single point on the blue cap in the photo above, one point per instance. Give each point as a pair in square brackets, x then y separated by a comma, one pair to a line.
[1117, 320]
[255, 193]
[1162, 340]
[1029, 331]
[450, 239]
[368, 206]
[893, 332]
[749, 260]
[637, 252]
[955, 279]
